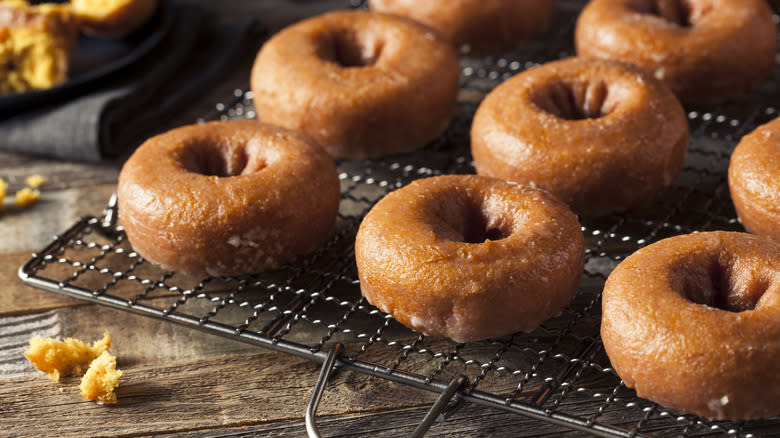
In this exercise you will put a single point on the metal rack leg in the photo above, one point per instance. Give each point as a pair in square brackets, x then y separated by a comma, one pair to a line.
[319, 388]
[437, 407]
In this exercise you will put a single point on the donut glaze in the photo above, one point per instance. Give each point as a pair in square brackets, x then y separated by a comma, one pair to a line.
[754, 180]
[227, 198]
[469, 257]
[478, 27]
[704, 50]
[362, 84]
[600, 135]
[693, 322]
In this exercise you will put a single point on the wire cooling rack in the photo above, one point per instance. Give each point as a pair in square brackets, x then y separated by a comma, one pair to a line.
[558, 373]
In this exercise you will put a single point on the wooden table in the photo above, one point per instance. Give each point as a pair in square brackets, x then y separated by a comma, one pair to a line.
[178, 381]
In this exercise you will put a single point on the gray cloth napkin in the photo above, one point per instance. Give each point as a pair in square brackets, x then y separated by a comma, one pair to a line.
[115, 113]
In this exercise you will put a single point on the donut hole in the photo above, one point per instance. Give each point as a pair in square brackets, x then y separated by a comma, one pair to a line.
[478, 227]
[220, 160]
[682, 13]
[466, 220]
[349, 48]
[574, 99]
[721, 285]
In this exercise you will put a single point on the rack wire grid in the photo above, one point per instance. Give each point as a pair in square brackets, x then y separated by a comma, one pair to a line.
[558, 373]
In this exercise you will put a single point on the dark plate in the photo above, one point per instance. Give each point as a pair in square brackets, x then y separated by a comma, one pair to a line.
[96, 58]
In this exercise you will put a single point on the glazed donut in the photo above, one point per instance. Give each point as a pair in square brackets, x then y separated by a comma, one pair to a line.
[362, 84]
[693, 322]
[754, 180]
[112, 18]
[478, 27]
[705, 50]
[227, 198]
[469, 257]
[600, 135]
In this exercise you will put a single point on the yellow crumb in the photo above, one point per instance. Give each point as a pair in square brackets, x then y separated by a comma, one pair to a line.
[26, 196]
[68, 358]
[36, 43]
[101, 379]
[35, 181]
[62, 389]
[3, 187]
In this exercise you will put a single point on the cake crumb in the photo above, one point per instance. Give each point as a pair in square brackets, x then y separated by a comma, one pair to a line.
[101, 379]
[35, 181]
[36, 43]
[26, 196]
[64, 358]
[3, 187]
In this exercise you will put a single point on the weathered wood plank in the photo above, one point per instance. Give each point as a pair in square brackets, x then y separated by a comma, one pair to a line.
[169, 364]
[60, 175]
[55, 211]
[471, 421]
[183, 375]
[225, 391]
[16, 298]
[136, 340]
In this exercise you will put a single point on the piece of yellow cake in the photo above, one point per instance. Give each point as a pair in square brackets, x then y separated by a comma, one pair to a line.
[26, 196]
[36, 42]
[35, 180]
[101, 379]
[3, 187]
[64, 358]
[113, 18]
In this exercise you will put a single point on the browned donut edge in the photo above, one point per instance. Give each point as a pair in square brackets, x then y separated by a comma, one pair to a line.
[754, 180]
[726, 51]
[697, 357]
[227, 198]
[600, 135]
[477, 27]
[395, 97]
[418, 258]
